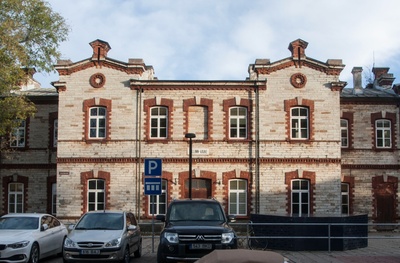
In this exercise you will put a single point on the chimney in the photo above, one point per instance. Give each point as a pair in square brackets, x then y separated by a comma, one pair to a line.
[357, 81]
[100, 49]
[382, 78]
[297, 48]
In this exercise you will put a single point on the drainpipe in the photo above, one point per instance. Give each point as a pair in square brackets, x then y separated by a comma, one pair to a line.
[257, 147]
[138, 150]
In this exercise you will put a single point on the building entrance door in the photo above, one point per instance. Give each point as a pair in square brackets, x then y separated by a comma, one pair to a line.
[385, 205]
[201, 188]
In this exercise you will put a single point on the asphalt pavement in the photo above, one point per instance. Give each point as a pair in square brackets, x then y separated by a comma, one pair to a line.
[382, 248]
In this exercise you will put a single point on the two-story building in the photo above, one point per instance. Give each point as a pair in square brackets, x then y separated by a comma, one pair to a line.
[288, 140]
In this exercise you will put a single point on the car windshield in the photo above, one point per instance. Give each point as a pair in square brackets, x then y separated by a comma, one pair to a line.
[19, 223]
[196, 212]
[101, 221]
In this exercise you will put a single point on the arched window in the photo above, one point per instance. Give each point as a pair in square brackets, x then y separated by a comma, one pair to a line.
[15, 198]
[237, 197]
[158, 122]
[300, 197]
[97, 122]
[299, 123]
[96, 195]
[237, 122]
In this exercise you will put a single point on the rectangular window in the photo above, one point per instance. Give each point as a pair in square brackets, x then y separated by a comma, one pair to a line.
[238, 197]
[15, 198]
[97, 123]
[54, 199]
[238, 122]
[96, 195]
[383, 134]
[344, 133]
[158, 203]
[300, 197]
[18, 135]
[299, 123]
[158, 122]
[345, 198]
[55, 133]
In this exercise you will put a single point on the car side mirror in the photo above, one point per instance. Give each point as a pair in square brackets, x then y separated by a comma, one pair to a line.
[132, 227]
[71, 227]
[44, 227]
[160, 217]
[231, 218]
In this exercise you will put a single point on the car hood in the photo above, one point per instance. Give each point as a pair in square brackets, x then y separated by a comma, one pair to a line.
[94, 235]
[10, 236]
[193, 227]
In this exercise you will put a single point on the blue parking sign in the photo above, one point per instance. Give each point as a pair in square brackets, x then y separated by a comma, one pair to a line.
[152, 167]
[152, 186]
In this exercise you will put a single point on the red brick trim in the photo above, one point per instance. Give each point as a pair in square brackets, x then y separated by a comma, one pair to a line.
[288, 104]
[147, 104]
[226, 176]
[85, 176]
[204, 103]
[183, 176]
[227, 104]
[87, 104]
[392, 118]
[289, 176]
[18, 179]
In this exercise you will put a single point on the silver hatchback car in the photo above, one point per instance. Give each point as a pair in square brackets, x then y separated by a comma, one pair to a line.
[103, 236]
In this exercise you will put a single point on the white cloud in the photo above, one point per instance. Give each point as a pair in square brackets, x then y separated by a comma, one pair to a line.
[209, 39]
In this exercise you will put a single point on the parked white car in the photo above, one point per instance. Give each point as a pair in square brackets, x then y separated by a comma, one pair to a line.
[29, 237]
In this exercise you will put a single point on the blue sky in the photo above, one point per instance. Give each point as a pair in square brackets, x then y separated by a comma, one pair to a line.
[218, 39]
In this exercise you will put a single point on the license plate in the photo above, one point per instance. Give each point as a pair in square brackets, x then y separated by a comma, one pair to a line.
[200, 246]
[90, 252]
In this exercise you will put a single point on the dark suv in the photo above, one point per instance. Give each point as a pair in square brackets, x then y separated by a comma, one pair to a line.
[192, 229]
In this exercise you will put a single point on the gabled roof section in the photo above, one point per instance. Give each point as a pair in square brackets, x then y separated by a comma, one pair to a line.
[298, 59]
[100, 59]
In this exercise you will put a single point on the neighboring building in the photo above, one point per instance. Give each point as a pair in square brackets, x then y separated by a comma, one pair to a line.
[289, 140]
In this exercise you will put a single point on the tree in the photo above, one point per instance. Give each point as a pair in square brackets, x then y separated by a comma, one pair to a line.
[30, 35]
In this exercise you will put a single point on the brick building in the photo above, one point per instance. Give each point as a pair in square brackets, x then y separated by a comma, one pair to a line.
[288, 140]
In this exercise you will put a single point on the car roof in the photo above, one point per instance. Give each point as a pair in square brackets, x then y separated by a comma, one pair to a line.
[26, 215]
[106, 211]
[195, 200]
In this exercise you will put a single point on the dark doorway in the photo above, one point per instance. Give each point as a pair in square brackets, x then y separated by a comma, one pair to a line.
[385, 206]
[201, 188]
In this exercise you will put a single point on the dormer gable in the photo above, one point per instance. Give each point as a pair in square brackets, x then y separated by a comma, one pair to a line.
[100, 49]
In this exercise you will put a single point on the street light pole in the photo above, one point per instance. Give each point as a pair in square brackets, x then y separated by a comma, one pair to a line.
[190, 136]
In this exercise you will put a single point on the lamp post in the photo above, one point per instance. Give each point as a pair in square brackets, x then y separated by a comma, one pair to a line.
[190, 136]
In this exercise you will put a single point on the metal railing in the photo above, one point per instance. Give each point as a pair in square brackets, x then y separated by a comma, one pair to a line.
[247, 234]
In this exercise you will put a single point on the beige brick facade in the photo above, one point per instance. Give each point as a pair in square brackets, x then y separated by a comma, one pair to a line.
[267, 158]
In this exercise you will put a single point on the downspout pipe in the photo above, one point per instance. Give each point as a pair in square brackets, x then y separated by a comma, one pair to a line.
[257, 147]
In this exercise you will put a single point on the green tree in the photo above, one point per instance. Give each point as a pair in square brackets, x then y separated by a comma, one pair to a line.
[30, 35]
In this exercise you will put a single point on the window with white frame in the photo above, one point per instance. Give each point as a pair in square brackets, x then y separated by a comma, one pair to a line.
[53, 198]
[238, 122]
[15, 198]
[383, 133]
[299, 123]
[96, 194]
[344, 133]
[237, 197]
[97, 122]
[18, 136]
[158, 122]
[300, 197]
[345, 198]
[55, 132]
[158, 203]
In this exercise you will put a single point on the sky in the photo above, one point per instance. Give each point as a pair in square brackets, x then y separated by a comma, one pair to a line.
[218, 39]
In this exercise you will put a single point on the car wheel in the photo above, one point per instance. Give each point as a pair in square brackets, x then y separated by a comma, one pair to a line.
[160, 258]
[127, 256]
[138, 252]
[34, 255]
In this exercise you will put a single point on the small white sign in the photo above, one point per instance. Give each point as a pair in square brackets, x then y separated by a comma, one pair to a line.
[200, 151]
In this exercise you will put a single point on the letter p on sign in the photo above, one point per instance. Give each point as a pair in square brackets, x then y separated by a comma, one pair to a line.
[152, 167]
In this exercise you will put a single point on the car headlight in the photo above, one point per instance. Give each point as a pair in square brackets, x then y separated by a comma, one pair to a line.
[69, 243]
[18, 244]
[171, 237]
[113, 243]
[227, 237]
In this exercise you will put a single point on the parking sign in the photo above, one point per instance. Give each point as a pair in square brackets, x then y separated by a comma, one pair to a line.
[152, 186]
[152, 167]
